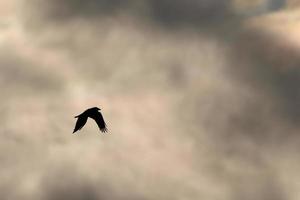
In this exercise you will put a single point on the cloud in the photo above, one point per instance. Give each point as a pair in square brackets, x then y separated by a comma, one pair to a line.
[191, 115]
[19, 73]
[272, 68]
[67, 183]
[168, 13]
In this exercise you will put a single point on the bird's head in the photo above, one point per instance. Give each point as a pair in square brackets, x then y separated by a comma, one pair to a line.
[95, 108]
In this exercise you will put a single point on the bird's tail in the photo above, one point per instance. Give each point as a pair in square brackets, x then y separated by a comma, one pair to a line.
[104, 129]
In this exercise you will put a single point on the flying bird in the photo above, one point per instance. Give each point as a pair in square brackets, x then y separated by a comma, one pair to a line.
[95, 115]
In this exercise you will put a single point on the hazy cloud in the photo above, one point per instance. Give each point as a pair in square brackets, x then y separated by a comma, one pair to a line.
[191, 115]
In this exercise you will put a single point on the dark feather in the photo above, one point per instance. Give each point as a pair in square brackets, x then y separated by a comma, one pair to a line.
[80, 122]
[97, 116]
[94, 114]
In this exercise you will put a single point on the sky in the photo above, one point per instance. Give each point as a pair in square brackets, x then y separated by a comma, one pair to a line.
[201, 99]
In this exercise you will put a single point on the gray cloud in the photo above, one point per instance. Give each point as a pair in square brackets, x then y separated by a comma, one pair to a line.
[275, 73]
[191, 115]
[198, 14]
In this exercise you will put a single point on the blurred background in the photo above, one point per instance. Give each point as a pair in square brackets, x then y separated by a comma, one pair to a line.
[201, 98]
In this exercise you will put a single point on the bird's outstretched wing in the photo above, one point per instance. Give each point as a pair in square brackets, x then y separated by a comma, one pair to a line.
[97, 116]
[80, 122]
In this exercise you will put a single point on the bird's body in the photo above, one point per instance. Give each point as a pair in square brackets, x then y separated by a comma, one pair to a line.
[95, 115]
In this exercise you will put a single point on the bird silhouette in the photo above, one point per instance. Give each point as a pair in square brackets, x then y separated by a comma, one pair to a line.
[95, 115]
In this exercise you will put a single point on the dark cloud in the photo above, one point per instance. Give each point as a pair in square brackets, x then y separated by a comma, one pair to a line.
[77, 190]
[69, 9]
[190, 12]
[169, 13]
[63, 183]
[272, 68]
[21, 73]
[258, 99]
[260, 187]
